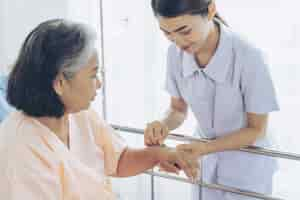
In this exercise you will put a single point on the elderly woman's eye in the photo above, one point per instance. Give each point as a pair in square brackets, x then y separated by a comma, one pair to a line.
[186, 32]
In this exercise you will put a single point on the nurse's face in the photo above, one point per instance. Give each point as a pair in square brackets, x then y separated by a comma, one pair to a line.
[78, 92]
[188, 32]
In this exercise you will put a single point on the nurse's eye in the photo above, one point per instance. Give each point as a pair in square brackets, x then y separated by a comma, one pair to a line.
[186, 32]
[166, 34]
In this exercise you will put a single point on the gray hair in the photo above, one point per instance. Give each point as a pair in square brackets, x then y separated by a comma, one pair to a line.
[53, 47]
[69, 44]
[71, 65]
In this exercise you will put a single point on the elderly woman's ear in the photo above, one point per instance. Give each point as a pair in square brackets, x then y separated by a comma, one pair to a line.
[58, 84]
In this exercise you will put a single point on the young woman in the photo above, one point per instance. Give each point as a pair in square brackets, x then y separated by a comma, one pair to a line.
[226, 82]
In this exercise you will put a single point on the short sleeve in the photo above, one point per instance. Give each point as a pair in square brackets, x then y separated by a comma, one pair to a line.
[257, 85]
[112, 144]
[170, 82]
[29, 177]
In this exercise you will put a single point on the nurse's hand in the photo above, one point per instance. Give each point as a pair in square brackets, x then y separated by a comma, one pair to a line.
[181, 160]
[195, 149]
[155, 133]
[169, 167]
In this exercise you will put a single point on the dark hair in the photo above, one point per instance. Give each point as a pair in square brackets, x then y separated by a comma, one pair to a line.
[52, 47]
[175, 8]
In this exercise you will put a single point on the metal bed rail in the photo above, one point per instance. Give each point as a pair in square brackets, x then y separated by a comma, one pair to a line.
[249, 149]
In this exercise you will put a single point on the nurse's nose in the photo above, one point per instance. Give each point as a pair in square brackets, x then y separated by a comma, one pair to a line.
[98, 83]
[176, 39]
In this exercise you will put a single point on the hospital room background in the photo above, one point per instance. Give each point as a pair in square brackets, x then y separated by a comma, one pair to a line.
[132, 53]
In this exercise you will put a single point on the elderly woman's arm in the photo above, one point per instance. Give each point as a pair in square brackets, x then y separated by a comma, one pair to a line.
[136, 161]
[122, 161]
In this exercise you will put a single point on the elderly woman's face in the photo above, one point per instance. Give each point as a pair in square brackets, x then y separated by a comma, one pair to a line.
[80, 91]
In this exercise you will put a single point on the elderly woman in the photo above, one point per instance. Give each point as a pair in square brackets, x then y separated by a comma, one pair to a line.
[53, 147]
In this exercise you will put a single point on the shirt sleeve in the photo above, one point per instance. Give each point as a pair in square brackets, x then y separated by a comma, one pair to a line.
[257, 85]
[170, 82]
[30, 177]
[112, 144]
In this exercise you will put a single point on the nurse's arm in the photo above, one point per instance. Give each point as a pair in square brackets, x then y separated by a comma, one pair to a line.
[157, 131]
[255, 129]
[176, 114]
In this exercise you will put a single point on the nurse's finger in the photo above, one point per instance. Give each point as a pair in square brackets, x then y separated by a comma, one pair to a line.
[195, 169]
[169, 167]
[148, 135]
[192, 165]
[156, 134]
[184, 147]
[163, 135]
[182, 162]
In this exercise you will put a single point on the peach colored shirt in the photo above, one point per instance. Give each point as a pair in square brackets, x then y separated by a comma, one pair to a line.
[36, 165]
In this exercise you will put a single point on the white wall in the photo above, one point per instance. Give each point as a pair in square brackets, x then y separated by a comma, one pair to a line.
[18, 18]
[1, 34]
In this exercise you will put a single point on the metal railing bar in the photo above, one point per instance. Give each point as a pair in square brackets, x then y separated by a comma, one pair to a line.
[249, 149]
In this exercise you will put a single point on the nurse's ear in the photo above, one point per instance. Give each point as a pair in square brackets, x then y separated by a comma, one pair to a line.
[59, 84]
[212, 10]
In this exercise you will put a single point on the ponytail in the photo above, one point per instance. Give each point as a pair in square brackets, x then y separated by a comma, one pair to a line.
[219, 18]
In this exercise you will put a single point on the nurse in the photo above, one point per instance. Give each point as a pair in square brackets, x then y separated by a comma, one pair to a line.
[225, 80]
